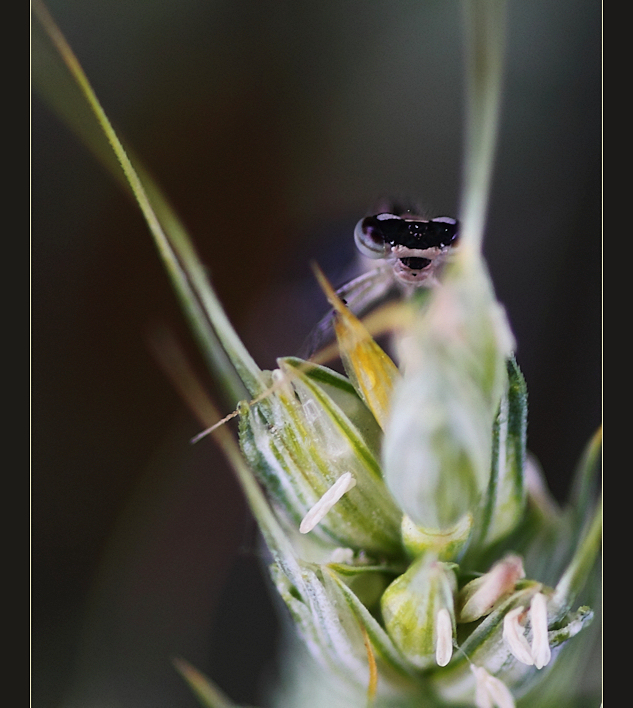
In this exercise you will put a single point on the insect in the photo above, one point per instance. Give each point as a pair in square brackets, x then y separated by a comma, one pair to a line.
[409, 251]
[414, 246]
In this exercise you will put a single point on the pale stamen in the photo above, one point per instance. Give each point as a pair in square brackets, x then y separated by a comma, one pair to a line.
[490, 692]
[515, 638]
[444, 640]
[541, 652]
[342, 485]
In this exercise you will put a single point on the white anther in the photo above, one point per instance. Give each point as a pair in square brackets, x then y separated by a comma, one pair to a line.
[541, 652]
[444, 637]
[490, 692]
[515, 638]
[342, 485]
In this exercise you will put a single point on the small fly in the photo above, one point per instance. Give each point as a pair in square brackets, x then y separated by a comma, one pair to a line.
[410, 251]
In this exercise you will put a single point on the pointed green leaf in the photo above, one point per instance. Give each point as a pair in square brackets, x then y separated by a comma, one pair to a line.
[505, 496]
[580, 567]
[583, 493]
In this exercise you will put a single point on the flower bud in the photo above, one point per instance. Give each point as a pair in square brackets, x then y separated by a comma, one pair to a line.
[314, 461]
[438, 443]
[417, 609]
[478, 597]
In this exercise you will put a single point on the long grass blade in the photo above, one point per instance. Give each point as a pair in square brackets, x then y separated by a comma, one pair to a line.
[484, 33]
[187, 274]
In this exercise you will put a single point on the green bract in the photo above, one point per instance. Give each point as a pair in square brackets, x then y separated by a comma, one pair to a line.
[299, 442]
[437, 447]
[417, 609]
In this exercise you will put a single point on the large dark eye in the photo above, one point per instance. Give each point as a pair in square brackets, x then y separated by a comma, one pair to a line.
[447, 230]
[369, 238]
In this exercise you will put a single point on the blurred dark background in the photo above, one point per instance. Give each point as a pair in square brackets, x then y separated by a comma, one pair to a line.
[272, 127]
